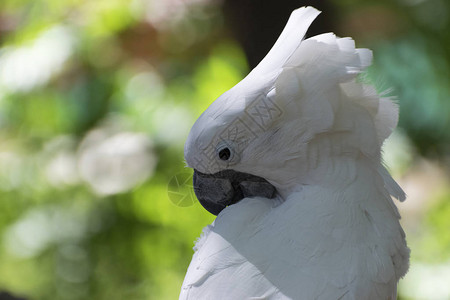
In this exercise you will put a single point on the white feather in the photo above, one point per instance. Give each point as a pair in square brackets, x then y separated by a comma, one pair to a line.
[288, 41]
[333, 232]
[321, 243]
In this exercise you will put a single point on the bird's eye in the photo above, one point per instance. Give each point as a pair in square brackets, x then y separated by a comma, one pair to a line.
[225, 154]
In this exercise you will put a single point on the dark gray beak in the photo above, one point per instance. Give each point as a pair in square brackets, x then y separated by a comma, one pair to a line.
[217, 191]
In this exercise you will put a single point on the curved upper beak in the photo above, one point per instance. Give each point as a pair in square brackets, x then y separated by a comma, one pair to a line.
[217, 191]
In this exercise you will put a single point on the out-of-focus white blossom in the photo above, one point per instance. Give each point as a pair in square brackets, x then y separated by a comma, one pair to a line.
[163, 14]
[23, 68]
[115, 163]
[171, 123]
[62, 169]
[61, 162]
[168, 122]
[145, 85]
[41, 227]
[427, 281]
[11, 175]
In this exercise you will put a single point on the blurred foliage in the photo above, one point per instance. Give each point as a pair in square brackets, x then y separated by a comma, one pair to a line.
[435, 245]
[412, 57]
[96, 100]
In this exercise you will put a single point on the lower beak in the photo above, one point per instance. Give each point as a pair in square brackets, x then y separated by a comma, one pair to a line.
[217, 191]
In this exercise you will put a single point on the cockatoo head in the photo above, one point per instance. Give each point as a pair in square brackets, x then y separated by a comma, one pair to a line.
[265, 135]
[222, 144]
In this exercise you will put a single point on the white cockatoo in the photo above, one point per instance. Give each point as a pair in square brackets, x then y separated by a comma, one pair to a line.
[289, 160]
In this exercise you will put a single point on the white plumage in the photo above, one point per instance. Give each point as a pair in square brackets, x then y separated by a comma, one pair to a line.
[305, 122]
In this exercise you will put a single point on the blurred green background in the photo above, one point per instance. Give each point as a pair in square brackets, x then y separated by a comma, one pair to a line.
[97, 98]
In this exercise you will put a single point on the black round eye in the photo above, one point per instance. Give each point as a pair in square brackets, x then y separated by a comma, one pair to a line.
[225, 154]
